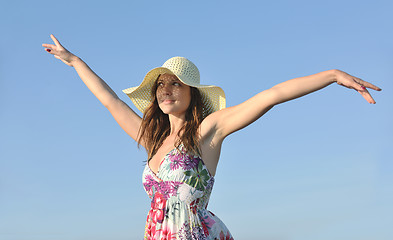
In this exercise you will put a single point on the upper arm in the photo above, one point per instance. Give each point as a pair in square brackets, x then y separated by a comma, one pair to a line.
[232, 119]
[128, 120]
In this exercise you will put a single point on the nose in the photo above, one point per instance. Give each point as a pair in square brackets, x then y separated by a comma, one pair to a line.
[166, 89]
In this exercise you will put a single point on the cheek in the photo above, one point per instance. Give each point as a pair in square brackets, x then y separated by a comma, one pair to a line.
[176, 93]
[184, 94]
[158, 93]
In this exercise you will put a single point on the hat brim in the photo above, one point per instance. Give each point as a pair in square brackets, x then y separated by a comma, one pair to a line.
[213, 97]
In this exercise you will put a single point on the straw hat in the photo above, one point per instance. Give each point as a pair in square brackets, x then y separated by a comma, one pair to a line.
[213, 97]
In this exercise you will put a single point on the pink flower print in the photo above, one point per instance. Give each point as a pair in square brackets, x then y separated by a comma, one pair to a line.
[166, 233]
[227, 237]
[150, 229]
[209, 222]
[159, 216]
[164, 189]
[157, 211]
[176, 161]
[190, 162]
[157, 232]
[149, 182]
[168, 189]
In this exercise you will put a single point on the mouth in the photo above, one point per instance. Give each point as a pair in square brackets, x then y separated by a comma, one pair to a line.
[167, 101]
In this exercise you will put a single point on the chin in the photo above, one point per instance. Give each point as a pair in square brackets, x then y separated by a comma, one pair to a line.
[166, 110]
[171, 111]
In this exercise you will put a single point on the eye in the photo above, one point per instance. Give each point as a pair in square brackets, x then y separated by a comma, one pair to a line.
[176, 84]
[160, 84]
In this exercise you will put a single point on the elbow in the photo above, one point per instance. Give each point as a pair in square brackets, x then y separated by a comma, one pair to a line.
[111, 103]
[273, 96]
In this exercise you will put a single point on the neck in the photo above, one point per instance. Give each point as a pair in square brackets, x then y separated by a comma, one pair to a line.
[176, 123]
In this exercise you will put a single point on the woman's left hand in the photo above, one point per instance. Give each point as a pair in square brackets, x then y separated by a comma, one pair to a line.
[349, 81]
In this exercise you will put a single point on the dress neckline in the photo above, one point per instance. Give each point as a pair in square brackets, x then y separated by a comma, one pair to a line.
[180, 147]
[163, 159]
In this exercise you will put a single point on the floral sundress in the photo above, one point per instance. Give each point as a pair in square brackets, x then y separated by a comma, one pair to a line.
[180, 192]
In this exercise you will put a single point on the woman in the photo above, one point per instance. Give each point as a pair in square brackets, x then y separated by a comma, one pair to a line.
[184, 122]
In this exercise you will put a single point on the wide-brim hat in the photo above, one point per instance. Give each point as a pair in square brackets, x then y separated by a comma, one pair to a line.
[213, 97]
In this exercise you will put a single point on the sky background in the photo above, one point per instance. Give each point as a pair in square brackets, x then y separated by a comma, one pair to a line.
[316, 168]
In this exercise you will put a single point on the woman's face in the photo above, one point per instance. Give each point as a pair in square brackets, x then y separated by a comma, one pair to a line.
[172, 95]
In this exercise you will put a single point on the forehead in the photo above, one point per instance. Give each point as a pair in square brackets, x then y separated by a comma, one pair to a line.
[167, 77]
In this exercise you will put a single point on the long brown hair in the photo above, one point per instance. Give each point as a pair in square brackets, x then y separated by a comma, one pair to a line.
[155, 125]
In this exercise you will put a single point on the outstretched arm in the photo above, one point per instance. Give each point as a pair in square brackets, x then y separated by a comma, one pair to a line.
[234, 118]
[123, 114]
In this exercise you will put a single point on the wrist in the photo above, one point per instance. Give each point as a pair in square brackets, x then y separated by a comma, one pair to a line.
[73, 59]
[333, 75]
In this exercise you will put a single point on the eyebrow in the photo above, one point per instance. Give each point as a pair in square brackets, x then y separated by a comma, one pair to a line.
[172, 80]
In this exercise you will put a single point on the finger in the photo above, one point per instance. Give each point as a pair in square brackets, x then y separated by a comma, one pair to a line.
[357, 85]
[48, 45]
[55, 40]
[366, 95]
[369, 85]
[51, 50]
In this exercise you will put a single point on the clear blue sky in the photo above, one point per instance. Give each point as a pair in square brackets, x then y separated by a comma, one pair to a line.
[316, 168]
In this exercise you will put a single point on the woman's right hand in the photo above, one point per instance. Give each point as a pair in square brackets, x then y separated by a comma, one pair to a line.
[60, 52]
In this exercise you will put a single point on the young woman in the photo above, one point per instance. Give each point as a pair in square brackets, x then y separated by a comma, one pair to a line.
[183, 126]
